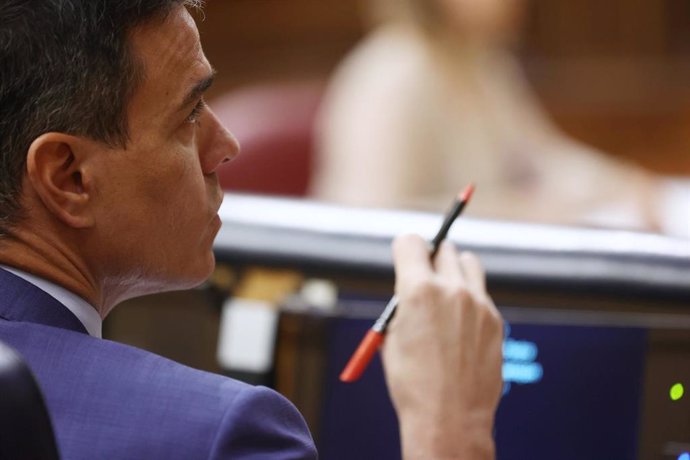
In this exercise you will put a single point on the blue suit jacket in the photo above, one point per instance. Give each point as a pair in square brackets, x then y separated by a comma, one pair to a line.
[111, 401]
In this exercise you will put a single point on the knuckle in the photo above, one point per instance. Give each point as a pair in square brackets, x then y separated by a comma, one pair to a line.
[462, 295]
[492, 317]
[425, 290]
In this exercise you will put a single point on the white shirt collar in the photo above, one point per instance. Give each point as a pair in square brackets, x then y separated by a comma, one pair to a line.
[83, 310]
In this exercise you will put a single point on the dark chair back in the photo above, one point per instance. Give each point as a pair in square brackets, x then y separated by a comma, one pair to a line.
[26, 432]
[273, 123]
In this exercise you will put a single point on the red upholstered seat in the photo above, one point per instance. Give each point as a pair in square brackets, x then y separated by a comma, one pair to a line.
[274, 126]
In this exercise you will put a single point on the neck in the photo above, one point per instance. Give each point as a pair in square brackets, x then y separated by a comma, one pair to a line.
[54, 261]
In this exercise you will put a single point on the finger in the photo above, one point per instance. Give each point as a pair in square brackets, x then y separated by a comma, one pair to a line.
[473, 270]
[411, 260]
[475, 275]
[446, 262]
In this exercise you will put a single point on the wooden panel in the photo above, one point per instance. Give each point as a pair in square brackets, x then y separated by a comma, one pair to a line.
[566, 28]
[255, 40]
[633, 108]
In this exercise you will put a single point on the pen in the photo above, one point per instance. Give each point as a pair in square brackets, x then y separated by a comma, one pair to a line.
[373, 338]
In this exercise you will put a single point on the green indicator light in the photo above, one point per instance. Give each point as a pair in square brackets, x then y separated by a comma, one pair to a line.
[677, 391]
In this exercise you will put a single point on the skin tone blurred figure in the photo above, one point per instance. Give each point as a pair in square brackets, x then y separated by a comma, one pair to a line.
[432, 99]
[93, 214]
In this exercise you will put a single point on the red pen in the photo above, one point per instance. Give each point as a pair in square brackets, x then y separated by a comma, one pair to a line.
[372, 340]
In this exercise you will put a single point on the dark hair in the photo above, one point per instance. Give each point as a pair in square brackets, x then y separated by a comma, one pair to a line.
[65, 66]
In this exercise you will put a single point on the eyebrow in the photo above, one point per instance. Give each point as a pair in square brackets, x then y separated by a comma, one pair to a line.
[199, 88]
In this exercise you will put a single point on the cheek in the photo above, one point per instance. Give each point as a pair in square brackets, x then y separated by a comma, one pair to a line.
[161, 185]
[186, 134]
[161, 192]
[182, 196]
[172, 175]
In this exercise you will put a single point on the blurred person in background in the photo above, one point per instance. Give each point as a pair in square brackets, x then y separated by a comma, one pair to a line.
[433, 98]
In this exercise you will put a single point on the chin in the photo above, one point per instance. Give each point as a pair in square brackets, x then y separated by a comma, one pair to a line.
[185, 273]
[203, 272]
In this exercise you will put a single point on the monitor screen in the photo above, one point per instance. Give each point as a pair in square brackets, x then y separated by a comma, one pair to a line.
[570, 392]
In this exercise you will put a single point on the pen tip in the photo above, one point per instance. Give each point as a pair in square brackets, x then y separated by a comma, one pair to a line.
[466, 194]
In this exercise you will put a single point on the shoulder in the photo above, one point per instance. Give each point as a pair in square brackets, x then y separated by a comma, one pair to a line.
[388, 63]
[259, 420]
[112, 394]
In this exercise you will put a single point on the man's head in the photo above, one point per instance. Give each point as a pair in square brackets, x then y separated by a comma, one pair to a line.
[107, 152]
[65, 66]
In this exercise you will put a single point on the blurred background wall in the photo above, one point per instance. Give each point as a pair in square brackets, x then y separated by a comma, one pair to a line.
[613, 74]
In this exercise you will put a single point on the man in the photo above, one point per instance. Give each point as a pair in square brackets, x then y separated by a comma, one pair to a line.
[108, 191]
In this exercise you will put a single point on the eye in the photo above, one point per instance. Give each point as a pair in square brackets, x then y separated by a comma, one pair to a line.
[193, 117]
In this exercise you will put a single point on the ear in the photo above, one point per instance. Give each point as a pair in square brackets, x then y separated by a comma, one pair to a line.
[58, 171]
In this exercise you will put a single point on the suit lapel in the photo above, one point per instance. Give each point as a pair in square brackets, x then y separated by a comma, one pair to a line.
[22, 301]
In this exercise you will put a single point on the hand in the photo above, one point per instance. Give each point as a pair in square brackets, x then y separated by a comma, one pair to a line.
[443, 353]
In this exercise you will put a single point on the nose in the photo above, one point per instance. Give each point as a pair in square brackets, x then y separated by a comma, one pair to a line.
[217, 144]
